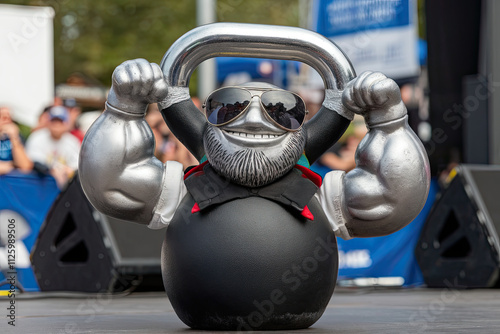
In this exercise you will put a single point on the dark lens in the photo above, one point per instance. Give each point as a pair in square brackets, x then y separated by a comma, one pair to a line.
[226, 104]
[285, 108]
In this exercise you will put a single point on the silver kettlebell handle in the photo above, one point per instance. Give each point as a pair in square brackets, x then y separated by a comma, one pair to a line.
[256, 41]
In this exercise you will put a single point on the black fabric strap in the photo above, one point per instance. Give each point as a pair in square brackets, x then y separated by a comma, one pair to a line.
[188, 124]
[323, 130]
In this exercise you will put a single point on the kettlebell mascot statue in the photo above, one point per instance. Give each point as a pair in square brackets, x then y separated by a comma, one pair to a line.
[251, 232]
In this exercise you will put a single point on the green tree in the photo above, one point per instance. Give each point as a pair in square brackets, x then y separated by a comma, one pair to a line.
[94, 36]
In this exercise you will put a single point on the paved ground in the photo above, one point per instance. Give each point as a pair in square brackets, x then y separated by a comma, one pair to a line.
[350, 311]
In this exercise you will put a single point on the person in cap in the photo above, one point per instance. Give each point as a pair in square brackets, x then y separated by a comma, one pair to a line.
[12, 153]
[74, 112]
[54, 148]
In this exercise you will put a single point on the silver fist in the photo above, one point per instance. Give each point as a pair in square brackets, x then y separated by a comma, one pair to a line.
[136, 83]
[375, 97]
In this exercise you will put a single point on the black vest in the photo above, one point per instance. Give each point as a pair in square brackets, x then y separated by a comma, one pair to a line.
[295, 189]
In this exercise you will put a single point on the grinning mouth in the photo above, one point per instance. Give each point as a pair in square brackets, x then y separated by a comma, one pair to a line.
[252, 162]
[252, 135]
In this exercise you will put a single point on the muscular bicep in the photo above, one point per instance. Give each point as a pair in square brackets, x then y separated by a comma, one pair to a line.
[120, 175]
[388, 187]
[366, 196]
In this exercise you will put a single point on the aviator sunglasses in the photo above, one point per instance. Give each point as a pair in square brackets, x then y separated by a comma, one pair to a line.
[285, 109]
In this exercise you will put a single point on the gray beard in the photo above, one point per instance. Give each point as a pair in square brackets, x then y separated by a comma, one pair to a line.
[251, 167]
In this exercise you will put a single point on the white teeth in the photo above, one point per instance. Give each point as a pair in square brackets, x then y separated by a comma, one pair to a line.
[250, 135]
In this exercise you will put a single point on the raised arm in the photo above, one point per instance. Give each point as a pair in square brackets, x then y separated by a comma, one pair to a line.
[389, 185]
[19, 157]
[323, 130]
[119, 173]
[185, 120]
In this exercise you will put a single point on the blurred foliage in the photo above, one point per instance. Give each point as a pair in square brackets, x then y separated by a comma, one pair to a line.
[94, 36]
[421, 19]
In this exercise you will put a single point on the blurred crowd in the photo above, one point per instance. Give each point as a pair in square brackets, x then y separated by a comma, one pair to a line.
[52, 146]
[168, 147]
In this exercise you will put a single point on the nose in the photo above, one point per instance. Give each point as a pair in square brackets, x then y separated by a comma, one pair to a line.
[254, 120]
[254, 116]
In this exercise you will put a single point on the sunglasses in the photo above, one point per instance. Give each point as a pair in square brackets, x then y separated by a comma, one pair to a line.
[285, 109]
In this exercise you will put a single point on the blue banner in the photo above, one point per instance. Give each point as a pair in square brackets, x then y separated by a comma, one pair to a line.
[376, 35]
[25, 200]
[339, 17]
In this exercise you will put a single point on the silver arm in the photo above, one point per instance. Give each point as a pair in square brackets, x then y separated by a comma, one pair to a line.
[118, 171]
[390, 183]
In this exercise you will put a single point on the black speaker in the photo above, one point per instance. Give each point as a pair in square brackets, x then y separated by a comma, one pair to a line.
[80, 249]
[456, 33]
[475, 118]
[459, 244]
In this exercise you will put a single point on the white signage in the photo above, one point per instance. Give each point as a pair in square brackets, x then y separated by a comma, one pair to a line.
[26, 61]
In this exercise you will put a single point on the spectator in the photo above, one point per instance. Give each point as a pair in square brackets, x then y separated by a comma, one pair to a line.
[74, 112]
[160, 130]
[167, 146]
[176, 151]
[12, 153]
[43, 120]
[54, 148]
[344, 159]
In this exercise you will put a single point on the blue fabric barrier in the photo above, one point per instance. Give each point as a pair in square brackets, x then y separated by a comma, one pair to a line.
[26, 198]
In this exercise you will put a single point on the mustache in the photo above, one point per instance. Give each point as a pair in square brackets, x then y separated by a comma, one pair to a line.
[250, 167]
